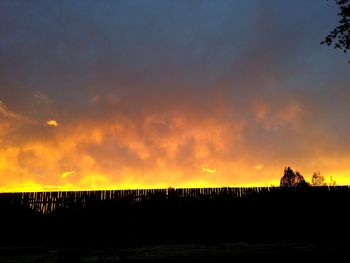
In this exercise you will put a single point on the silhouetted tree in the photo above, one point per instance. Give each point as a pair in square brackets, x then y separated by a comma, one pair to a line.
[292, 179]
[340, 36]
[317, 179]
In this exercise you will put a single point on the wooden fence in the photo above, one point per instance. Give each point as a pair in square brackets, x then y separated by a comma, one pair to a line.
[47, 202]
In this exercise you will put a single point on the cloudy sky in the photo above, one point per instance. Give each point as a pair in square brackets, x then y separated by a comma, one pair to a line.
[128, 94]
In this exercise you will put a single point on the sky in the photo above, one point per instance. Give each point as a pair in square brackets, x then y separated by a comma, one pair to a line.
[154, 94]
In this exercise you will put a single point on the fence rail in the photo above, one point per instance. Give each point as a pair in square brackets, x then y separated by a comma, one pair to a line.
[47, 202]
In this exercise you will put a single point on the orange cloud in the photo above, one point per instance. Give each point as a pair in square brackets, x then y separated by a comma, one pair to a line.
[161, 150]
[53, 123]
[150, 150]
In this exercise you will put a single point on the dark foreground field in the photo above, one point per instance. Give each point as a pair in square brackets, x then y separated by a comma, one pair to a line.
[229, 252]
[211, 226]
[233, 252]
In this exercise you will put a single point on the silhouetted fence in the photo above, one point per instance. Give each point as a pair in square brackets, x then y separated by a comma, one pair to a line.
[47, 202]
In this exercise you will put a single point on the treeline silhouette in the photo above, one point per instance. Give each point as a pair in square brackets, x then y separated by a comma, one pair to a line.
[163, 216]
[295, 179]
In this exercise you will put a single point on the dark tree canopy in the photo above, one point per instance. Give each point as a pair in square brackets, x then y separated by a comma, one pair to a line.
[340, 36]
[292, 179]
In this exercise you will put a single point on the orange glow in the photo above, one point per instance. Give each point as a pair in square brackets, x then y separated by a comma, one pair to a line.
[259, 167]
[157, 150]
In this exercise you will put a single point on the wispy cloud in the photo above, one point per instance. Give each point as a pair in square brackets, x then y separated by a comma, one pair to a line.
[67, 174]
[4, 111]
[12, 121]
[208, 170]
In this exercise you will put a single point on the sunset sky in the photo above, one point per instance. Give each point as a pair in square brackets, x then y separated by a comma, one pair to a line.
[148, 94]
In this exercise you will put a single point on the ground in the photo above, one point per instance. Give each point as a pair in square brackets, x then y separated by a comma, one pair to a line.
[178, 253]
